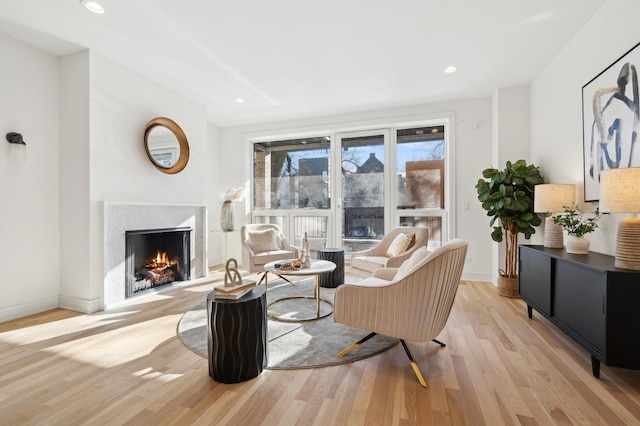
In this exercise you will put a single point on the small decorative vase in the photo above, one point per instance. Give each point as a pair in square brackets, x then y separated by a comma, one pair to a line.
[576, 245]
[306, 263]
[226, 216]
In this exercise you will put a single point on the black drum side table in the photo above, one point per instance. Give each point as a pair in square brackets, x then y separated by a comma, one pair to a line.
[335, 278]
[237, 336]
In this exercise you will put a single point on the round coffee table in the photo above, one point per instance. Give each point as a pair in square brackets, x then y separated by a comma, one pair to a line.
[317, 268]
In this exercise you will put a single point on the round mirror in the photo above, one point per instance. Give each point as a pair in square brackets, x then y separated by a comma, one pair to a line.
[166, 145]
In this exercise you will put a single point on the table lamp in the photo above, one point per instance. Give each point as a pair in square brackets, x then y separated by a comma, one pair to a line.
[620, 193]
[550, 198]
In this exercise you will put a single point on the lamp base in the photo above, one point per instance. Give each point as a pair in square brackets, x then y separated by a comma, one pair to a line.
[552, 234]
[628, 244]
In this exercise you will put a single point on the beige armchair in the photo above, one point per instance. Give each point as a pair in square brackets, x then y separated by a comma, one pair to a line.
[365, 262]
[264, 243]
[412, 302]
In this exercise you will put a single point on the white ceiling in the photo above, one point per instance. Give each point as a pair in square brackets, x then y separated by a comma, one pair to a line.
[293, 59]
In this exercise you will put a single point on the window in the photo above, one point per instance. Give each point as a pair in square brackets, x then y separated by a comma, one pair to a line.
[292, 174]
[420, 178]
[347, 189]
[292, 187]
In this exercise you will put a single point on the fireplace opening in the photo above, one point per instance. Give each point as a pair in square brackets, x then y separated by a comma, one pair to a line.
[156, 258]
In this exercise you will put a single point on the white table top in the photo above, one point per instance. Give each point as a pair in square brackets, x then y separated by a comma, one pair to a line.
[317, 267]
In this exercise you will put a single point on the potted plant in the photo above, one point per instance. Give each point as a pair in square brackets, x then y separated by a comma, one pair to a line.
[507, 196]
[577, 226]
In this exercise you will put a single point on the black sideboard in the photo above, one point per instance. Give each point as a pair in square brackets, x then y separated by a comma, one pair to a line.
[587, 297]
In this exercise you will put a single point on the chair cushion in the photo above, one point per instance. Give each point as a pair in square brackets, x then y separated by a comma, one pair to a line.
[411, 262]
[400, 244]
[269, 256]
[372, 282]
[368, 263]
[262, 241]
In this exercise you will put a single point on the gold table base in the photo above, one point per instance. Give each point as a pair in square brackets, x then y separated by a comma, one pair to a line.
[316, 297]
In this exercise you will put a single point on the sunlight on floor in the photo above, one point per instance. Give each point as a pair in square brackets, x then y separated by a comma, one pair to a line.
[116, 345]
[150, 374]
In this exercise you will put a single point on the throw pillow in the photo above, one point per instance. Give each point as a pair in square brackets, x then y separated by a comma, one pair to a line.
[412, 261]
[413, 241]
[261, 241]
[400, 244]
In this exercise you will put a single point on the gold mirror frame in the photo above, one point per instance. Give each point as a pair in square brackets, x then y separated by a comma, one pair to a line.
[171, 125]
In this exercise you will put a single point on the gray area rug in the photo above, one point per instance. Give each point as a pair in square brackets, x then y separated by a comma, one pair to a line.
[293, 344]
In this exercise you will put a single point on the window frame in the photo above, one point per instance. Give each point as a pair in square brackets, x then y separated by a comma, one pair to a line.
[419, 120]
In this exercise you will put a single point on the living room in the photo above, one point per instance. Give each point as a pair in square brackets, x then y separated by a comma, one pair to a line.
[82, 122]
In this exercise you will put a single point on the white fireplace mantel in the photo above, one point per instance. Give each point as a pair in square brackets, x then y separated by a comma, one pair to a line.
[120, 217]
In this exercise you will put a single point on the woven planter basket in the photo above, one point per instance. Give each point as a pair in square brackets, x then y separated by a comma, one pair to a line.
[508, 287]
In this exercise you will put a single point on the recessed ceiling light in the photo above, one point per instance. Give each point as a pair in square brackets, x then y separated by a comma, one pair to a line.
[93, 6]
[240, 100]
[450, 69]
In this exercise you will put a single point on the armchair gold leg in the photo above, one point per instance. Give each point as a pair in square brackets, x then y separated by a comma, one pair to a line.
[356, 344]
[418, 374]
[416, 370]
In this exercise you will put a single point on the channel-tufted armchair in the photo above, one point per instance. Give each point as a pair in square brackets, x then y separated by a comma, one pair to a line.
[364, 262]
[263, 243]
[412, 302]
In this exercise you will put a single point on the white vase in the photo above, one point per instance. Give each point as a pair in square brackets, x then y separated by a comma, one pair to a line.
[576, 245]
[226, 216]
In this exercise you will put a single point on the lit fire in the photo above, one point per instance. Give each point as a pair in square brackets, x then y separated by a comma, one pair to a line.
[161, 262]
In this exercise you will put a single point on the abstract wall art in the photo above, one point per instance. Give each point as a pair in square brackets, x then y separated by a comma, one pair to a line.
[610, 117]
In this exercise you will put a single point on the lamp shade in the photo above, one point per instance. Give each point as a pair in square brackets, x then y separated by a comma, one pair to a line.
[620, 190]
[552, 197]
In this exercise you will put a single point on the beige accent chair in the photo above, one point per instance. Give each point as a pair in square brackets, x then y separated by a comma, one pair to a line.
[412, 302]
[364, 262]
[263, 243]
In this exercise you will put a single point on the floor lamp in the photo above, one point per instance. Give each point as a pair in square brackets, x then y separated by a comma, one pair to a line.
[550, 198]
[620, 193]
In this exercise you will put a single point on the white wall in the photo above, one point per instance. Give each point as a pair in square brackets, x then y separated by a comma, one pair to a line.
[217, 159]
[511, 142]
[75, 146]
[472, 138]
[121, 104]
[29, 255]
[556, 102]
[83, 118]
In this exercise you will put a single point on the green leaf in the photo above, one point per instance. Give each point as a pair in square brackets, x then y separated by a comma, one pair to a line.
[507, 196]
[496, 235]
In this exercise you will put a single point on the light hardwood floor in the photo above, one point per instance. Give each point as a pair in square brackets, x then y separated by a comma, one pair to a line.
[126, 366]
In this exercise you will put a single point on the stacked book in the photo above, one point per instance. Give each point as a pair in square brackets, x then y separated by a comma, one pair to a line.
[234, 292]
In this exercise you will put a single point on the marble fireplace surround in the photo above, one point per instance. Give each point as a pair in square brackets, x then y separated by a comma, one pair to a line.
[119, 218]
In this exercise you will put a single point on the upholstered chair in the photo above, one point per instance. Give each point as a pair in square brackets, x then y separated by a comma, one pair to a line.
[387, 254]
[412, 302]
[264, 243]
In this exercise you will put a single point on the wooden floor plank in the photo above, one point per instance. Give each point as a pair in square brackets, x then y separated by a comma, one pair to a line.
[127, 366]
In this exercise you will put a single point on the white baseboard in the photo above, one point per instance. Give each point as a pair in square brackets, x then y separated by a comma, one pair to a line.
[80, 305]
[25, 309]
[477, 277]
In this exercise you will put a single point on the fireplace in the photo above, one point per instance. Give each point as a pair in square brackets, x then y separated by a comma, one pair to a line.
[156, 258]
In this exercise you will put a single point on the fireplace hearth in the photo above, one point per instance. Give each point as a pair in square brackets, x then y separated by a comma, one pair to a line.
[156, 258]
